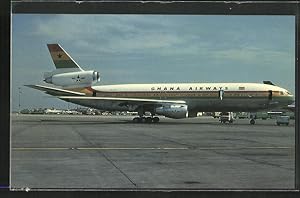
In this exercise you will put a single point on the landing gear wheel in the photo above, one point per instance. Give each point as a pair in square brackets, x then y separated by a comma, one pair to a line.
[139, 119]
[148, 120]
[252, 121]
[136, 120]
[155, 119]
[143, 119]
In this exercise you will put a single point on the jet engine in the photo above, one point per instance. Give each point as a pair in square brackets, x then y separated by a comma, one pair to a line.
[173, 111]
[74, 79]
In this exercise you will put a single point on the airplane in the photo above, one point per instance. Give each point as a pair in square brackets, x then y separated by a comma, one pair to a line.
[173, 100]
[53, 111]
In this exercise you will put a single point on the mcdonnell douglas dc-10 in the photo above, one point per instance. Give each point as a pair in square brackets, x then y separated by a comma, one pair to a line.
[173, 100]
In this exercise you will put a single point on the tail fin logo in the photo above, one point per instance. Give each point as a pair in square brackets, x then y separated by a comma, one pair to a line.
[61, 58]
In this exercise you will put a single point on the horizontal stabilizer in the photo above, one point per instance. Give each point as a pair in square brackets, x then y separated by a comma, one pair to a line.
[55, 91]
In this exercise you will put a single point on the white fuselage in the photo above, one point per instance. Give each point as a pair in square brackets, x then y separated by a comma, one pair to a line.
[203, 96]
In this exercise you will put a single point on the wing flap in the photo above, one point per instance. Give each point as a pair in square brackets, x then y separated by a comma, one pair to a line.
[55, 91]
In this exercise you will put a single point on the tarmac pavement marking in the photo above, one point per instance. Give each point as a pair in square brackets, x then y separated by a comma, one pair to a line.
[146, 148]
[101, 148]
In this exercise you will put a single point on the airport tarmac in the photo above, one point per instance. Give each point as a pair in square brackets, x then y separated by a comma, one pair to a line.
[68, 151]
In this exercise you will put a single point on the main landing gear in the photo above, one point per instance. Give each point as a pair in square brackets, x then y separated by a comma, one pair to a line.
[143, 119]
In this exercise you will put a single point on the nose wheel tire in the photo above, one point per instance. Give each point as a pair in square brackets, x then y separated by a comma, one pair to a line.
[252, 121]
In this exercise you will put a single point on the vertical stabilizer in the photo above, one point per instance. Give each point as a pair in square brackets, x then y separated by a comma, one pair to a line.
[61, 59]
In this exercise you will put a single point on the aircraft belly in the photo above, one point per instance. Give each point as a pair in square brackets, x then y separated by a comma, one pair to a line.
[218, 105]
[199, 104]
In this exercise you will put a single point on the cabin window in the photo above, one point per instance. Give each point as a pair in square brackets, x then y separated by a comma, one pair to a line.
[241, 88]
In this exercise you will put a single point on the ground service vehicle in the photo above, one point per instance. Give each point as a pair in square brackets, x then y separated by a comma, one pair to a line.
[283, 120]
[226, 117]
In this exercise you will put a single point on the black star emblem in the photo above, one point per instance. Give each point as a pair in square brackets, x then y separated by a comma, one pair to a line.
[59, 55]
[78, 78]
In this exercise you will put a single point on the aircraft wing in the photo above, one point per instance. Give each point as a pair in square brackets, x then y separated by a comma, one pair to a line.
[55, 91]
[98, 101]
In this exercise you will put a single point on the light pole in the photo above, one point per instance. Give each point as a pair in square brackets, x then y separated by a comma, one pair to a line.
[19, 99]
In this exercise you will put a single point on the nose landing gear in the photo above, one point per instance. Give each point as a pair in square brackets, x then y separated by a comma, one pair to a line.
[252, 121]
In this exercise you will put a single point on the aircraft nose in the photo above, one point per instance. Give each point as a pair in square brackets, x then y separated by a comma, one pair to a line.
[291, 98]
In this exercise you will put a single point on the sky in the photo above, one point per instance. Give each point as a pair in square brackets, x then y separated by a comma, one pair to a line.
[152, 49]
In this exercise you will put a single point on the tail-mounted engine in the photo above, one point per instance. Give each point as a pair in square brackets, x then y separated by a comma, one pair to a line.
[173, 111]
[73, 79]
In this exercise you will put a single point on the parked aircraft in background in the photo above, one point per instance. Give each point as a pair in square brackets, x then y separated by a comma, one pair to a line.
[173, 100]
[53, 111]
